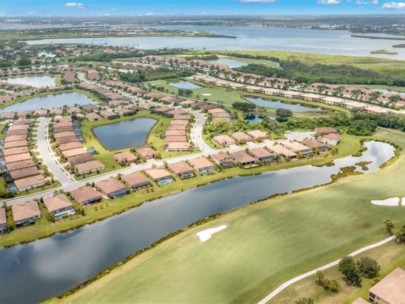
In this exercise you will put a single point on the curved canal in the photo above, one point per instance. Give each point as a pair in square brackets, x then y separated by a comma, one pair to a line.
[46, 268]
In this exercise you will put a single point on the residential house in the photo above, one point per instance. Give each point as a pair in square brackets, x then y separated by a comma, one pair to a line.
[202, 165]
[332, 139]
[25, 214]
[224, 140]
[181, 169]
[146, 153]
[60, 206]
[315, 144]
[160, 176]
[223, 159]
[124, 157]
[89, 166]
[283, 151]
[86, 195]
[112, 188]
[263, 155]
[244, 159]
[390, 290]
[28, 183]
[241, 137]
[136, 180]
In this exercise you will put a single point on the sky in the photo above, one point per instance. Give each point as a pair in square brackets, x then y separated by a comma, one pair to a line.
[196, 7]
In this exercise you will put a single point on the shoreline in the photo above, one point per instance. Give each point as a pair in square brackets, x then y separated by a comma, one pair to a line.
[202, 221]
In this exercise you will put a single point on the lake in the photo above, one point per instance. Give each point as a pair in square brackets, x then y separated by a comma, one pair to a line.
[124, 134]
[50, 101]
[184, 85]
[252, 38]
[294, 107]
[46, 268]
[34, 81]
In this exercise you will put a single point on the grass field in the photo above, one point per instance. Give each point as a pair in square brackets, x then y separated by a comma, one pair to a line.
[211, 93]
[264, 245]
[388, 257]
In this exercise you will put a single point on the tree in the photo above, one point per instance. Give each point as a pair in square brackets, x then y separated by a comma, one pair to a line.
[389, 225]
[284, 113]
[244, 106]
[368, 267]
[348, 267]
[304, 301]
[400, 235]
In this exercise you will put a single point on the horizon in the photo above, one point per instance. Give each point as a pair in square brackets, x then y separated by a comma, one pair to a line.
[160, 8]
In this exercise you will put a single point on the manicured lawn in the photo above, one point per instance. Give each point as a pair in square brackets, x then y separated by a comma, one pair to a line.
[349, 146]
[264, 245]
[389, 257]
[210, 93]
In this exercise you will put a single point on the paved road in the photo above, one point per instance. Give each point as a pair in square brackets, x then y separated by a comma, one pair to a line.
[48, 157]
[327, 266]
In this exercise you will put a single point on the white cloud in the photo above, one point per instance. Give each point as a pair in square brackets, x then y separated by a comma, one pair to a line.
[360, 2]
[394, 5]
[329, 2]
[257, 1]
[74, 5]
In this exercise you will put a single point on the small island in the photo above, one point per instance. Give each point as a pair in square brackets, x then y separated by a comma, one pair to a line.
[384, 52]
[399, 45]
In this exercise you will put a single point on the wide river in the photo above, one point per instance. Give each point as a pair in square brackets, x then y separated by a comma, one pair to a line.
[46, 268]
[254, 38]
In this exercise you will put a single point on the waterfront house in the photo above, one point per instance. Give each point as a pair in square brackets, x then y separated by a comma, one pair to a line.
[146, 153]
[332, 139]
[74, 152]
[244, 159]
[175, 138]
[108, 114]
[89, 166]
[160, 176]
[175, 133]
[93, 116]
[315, 144]
[390, 290]
[136, 180]
[202, 165]
[86, 195]
[3, 220]
[124, 157]
[223, 159]
[263, 155]
[181, 169]
[112, 188]
[224, 140]
[283, 151]
[297, 147]
[60, 206]
[25, 214]
[28, 183]
[70, 146]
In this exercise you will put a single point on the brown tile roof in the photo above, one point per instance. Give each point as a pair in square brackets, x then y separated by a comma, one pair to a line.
[260, 153]
[32, 181]
[25, 211]
[201, 163]
[110, 185]
[75, 152]
[80, 159]
[90, 166]
[70, 146]
[243, 157]
[391, 288]
[20, 165]
[146, 152]
[57, 202]
[180, 167]
[24, 172]
[134, 179]
[124, 157]
[180, 138]
[178, 146]
[15, 151]
[85, 194]
[3, 216]
[16, 158]
[325, 130]
[258, 134]
[157, 173]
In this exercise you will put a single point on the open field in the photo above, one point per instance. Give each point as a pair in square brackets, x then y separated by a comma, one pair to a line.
[349, 146]
[264, 244]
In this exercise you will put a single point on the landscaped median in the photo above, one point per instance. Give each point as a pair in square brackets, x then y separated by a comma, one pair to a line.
[263, 245]
[349, 145]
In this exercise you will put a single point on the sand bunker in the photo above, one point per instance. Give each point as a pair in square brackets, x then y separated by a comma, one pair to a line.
[205, 235]
[390, 202]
